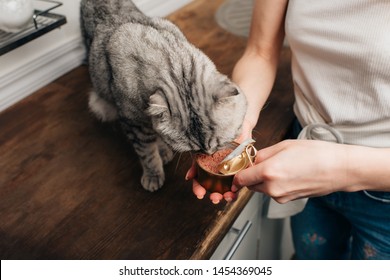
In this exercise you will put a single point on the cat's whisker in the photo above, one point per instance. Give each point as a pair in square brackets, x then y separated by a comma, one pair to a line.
[177, 162]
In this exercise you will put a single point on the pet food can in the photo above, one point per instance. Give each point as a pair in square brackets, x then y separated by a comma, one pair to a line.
[209, 169]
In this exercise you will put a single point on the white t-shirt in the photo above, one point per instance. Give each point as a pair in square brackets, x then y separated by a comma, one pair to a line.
[341, 71]
[341, 67]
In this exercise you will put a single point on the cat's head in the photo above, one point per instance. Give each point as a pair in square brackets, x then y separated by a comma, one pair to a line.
[205, 118]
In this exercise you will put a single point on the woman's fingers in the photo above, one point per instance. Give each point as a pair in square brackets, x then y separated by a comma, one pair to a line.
[268, 152]
[248, 177]
[191, 173]
[216, 197]
[198, 190]
[230, 196]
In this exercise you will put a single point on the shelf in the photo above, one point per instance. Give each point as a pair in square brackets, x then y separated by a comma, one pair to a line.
[42, 23]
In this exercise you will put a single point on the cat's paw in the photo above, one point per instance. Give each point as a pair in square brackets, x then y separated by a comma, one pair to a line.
[152, 182]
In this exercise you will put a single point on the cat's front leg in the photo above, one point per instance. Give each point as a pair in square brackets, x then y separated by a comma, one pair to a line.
[166, 151]
[145, 143]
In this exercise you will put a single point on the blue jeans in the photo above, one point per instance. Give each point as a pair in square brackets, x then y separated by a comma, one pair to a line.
[343, 225]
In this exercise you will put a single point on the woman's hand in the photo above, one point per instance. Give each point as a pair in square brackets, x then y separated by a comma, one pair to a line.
[199, 191]
[295, 169]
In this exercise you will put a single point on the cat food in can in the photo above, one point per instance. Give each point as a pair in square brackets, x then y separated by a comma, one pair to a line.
[208, 174]
[216, 171]
[210, 162]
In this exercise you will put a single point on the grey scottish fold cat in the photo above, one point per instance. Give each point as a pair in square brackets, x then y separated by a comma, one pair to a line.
[164, 91]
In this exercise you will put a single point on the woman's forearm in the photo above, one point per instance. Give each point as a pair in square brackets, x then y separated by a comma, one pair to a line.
[367, 168]
[255, 71]
[255, 76]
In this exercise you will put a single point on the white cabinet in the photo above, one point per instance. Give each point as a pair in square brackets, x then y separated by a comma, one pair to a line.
[241, 242]
[254, 236]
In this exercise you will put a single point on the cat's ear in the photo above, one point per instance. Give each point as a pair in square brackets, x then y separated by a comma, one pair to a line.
[157, 104]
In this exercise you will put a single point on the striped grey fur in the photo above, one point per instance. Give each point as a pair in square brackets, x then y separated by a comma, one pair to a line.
[165, 92]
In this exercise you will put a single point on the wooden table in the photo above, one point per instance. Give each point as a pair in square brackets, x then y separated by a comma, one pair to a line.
[69, 185]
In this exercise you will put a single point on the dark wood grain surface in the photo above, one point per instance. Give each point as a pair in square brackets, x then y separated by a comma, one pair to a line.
[69, 185]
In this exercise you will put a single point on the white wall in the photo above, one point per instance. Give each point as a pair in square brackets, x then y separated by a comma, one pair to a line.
[39, 62]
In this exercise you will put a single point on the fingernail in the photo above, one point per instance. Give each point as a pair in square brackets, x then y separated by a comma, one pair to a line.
[186, 177]
[228, 199]
[215, 201]
[200, 196]
[234, 188]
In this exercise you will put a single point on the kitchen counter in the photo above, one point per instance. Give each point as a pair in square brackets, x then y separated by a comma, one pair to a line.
[69, 185]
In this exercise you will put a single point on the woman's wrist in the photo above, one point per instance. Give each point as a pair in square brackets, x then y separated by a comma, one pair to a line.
[366, 168]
